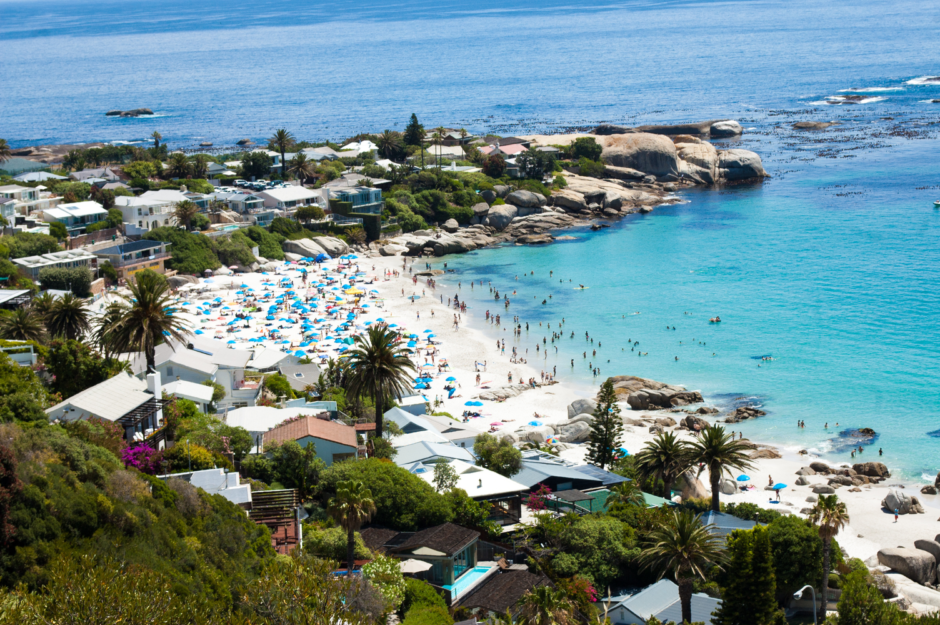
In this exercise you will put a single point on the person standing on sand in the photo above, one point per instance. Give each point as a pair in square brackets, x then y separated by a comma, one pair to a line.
[895, 515]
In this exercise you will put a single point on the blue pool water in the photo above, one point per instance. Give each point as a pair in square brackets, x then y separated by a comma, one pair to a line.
[466, 580]
[832, 266]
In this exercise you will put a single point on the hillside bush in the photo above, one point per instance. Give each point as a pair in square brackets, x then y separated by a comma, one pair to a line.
[76, 279]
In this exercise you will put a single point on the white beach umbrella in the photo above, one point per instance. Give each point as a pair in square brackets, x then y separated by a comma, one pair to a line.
[414, 566]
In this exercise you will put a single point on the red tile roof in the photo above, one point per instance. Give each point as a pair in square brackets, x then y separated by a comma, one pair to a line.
[317, 428]
[365, 427]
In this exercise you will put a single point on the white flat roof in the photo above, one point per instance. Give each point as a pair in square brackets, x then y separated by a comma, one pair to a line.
[290, 194]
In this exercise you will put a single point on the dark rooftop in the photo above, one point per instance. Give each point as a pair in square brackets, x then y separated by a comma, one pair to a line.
[447, 538]
[606, 477]
[377, 538]
[503, 591]
[572, 495]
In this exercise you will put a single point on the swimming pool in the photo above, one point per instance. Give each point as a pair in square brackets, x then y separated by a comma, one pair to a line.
[468, 579]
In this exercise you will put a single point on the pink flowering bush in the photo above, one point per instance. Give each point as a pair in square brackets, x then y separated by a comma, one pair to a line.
[536, 501]
[142, 457]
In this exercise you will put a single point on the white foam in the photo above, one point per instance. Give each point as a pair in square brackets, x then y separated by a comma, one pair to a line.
[871, 89]
[841, 99]
[924, 80]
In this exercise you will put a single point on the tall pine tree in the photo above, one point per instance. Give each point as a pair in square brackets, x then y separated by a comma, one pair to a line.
[606, 429]
[763, 583]
[748, 584]
[414, 132]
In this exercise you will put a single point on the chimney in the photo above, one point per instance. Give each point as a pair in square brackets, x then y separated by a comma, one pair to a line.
[480, 483]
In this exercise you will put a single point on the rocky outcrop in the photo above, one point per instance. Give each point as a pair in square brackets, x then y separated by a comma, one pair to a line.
[650, 153]
[802, 481]
[525, 199]
[768, 454]
[393, 249]
[929, 489]
[823, 489]
[130, 113]
[743, 414]
[480, 210]
[693, 423]
[581, 406]
[576, 432]
[738, 165]
[691, 487]
[902, 503]
[535, 239]
[698, 159]
[244, 142]
[441, 243]
[727, 128]
[501, 190]
[537, 224]
[488, 196]
[813, 125]
[500, 216]
[930, 546]
[623, 173]
[820, 467]
[728, 487]
[179, 280]
[309, 248]
[872, 469]
[919, 566]
[451, 226]
[806, 471]
[569, 200]
[505, 392]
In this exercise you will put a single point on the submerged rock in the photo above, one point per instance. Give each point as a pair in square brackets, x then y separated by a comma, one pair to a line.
[814, 125]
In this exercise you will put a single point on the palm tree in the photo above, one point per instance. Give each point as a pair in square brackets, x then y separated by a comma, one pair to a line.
[685, 548]
[379, 366]
[178, 165]
[112, 314]
[156, 138]
[721, 453]
[43, 303]
[200, 165]
[463, 135]
[184, 212]
[301, 167]
[145, 321]
[389, 142]
[5, 152]
[626, 493]
[351, 507]
[665, 458]
[282, 140]
[830, 515]
[23, 324]
[68, 317]
[544, 605]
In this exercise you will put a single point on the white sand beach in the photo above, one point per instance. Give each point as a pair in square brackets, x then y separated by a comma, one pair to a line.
[324, 316]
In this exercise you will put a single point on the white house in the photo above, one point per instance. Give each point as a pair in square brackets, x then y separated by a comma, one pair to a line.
[145, 213]
[69, 259]
[217, 482]
[289, 198]
[174, 196]
[28, 199]
[75, 216]
[199, 394]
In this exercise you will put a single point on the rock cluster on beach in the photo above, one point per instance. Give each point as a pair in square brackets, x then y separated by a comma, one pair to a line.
[643, 168]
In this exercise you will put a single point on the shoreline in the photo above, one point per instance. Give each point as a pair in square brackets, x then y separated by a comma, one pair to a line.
[870, 529]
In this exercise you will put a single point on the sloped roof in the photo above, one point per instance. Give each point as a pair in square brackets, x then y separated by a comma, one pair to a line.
[264, 418]
[111, 399]
[447, 538]
[606, 477]
[723, 524]
[317, 428]
[424, 450]
[477, 481]
[537, 467]
[503, 591]
[189, 390]
[289, 194]
[376, 538]
[662, 601]
[309, 374]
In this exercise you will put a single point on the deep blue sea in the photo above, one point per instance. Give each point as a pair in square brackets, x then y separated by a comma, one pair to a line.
[831, 267]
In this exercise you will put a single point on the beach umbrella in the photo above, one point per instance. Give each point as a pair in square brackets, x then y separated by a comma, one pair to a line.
[413, 566]
[551, 440]
[451, 379]
[779, 486]
[393, 325]
[535, 423]
[495, 424]
[199, 332]
[431, 336]
[230, 342]
[270, 318]
[411, 344]
[300, 353]
[473, 403]
[744, 478]
[624, 452]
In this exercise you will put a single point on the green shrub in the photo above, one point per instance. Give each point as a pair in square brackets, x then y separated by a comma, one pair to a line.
[78, 279]
[404, 501]
[269, 244]
[587, 167]
[835, 581]
[750, 511]
[420, 594]
[29, 244]
[58, 230]
[560, 182]
[278, 385]
[200, 222]
[331, 543]
[191, 252]
[585, 147]
[498, 202]
[431, 615]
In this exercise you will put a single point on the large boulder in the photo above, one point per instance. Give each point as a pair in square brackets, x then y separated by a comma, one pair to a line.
[930, 546]
[501, 190]
[802, 481]
[222, 271]
[488, 196]
[872, 469]
[537, 434]
[727, 128]
[919, 566]
[582, 418]
[691, 487]
[623, 173]
[571, 201]
[902, 502]
[500, 216]
[481, 209]
[728, 487]
[179, 280]
[820, 467]
[573, 432]
[581, 406]
[649, 153]
[823, 489]
[806, 471]
[694, 423]
[699, 159]
[393, 249]
[525, 199]
[734, 165]
[318, 245]
[451, 225]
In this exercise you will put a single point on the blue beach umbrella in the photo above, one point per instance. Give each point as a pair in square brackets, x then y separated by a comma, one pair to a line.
[535, 423]
[779, 486]
[300, 353]
[199, 332]
[473, 403]
[230, 342]
[451, 379]
[744, 478]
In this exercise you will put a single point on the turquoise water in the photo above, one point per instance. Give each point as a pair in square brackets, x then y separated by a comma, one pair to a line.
[469, 578]
[840, 289]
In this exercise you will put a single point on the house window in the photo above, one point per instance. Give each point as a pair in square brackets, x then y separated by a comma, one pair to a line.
[169, 372]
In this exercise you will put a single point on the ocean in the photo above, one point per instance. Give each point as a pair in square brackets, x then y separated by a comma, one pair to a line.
[830, 267]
